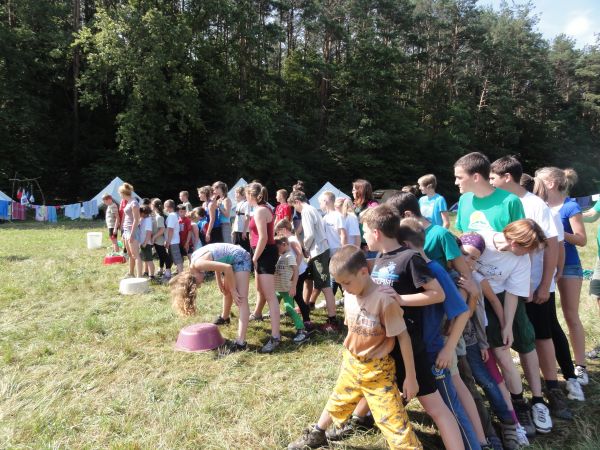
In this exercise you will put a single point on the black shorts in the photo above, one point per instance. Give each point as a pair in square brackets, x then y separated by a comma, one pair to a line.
[267, 261]
[422, 367]
[541, 317]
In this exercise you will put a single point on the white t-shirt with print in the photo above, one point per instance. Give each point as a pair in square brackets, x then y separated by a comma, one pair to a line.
[173, 223]
[505, 271]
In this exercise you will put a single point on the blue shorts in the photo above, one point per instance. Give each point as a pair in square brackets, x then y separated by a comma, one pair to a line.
[572, 271]
[242, 261]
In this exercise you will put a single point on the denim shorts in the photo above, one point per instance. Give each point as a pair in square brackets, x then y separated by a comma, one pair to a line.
[572, 271]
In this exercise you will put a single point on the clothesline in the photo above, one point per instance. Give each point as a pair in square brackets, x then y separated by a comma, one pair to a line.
[11, 210]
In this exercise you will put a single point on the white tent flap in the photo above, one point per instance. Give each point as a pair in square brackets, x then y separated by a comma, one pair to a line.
[5, 197]
[113, 189]
[231, 194]
[314, 201]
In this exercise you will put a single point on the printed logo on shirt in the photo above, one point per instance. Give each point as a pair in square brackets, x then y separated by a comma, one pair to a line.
[488, 270]
[427, 209]
[364, 324]
[385, 275]
[478, 222]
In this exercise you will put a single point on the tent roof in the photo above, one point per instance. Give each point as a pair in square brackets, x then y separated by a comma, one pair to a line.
[112, 188]
[5, 197]
[314, 200]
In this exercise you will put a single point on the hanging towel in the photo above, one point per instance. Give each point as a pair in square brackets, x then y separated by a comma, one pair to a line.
[18, 211]
[52, 216]
[90, 209]
[19, 194]
[4, 213]
[24, 199]
[31, 199]
[41, 213]
[73, 211]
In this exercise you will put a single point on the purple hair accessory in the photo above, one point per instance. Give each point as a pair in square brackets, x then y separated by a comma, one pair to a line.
[474, 240]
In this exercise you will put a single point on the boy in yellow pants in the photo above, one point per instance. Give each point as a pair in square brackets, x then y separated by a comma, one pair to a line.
[374, 321]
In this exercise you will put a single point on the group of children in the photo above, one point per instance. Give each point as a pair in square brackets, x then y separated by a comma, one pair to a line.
[429, 315]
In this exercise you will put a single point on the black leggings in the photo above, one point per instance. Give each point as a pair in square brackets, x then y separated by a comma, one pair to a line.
[163, 256]
[546, 325]
[304, 309]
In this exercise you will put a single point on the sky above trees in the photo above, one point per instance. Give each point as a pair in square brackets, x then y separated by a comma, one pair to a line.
[579, 19]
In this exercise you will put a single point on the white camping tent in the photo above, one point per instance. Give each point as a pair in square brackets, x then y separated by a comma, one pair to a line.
[3, 196]
[231, 194]
[314, 201]
[113, 189]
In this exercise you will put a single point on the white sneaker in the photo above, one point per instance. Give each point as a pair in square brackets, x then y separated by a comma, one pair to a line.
[541, 418]
[522, 436]
[574, 391]
[321, 304]
[582, 375]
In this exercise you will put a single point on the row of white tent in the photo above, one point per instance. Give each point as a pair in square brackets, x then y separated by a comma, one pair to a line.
[112, 188]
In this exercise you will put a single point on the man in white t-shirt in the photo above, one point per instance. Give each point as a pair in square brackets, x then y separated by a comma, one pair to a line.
[172, 239]
[506, 173]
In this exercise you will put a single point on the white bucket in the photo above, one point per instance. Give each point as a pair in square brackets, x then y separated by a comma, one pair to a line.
[94, 240]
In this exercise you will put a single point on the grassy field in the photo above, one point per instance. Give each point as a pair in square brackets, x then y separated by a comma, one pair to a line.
[83, 367]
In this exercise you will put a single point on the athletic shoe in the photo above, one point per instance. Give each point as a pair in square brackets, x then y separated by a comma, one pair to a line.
[352, 426]
[256, 318]
[271, 345]
[330, 327]
[524, 415]
[321, 304]
[220, 321]
[541, 418]
[235, 347]
[309, 326]
[339, 302]
[311, 438]
[300, 337]
[594, 354]
[574, 391]
[510, 439]
[487, 446]
[582, 375]
[558, 404]
[522, 436]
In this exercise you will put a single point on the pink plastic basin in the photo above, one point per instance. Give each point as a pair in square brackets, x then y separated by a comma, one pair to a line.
[199, 337]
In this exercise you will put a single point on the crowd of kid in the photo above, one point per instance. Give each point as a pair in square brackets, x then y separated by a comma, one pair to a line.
[429, 315]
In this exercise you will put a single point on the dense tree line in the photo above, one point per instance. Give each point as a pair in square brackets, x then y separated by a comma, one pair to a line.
[171, 94]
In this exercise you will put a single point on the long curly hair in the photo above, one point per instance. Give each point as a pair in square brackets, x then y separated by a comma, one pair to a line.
[183, 293]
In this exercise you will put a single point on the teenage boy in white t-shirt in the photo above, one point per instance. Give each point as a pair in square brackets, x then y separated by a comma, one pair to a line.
[172, 239]
[506, 173]
[484, 209]
[334, 230]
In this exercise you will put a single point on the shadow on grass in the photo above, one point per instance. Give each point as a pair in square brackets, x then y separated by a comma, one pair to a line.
[14, 258]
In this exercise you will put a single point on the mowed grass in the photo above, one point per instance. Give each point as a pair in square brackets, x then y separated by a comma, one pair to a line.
[84, 367]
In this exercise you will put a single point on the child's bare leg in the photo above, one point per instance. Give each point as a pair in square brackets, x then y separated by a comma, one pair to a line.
[151, 268]
[325, 420]
[531, 369]
[443, 419]
[242, 280]
[261, 301]
[509, 371]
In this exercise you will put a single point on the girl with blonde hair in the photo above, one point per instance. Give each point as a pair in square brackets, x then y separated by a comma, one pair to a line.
[558, 182]
[131, 230]
[232, 265]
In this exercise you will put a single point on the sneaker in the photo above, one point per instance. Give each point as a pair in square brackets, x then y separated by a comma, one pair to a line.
[574, 391]
[339, 302]
[220, 321]
[321, 304]
[495, 443]
[352, 426]
[558, 404]
[311, 438]
[330, 327]
[524, 415]
[271, 345]
[300, 337]
[594, 354]
[256, 318]
[487, 446]
[522, 436]
[582, 375]
[145, 275]
[309, 326]
[541, 418]
[510, 438]
[235, 347]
